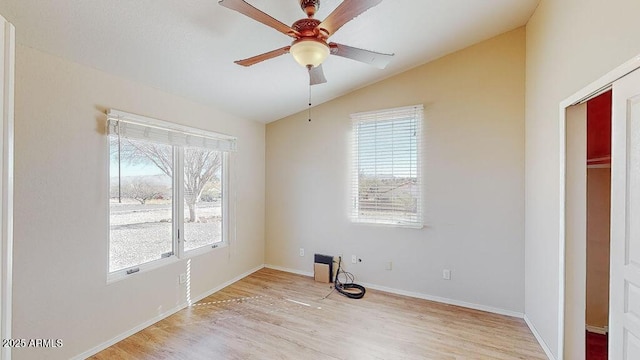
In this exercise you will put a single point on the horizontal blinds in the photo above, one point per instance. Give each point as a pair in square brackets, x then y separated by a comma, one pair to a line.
[158, 131]
[386, 179]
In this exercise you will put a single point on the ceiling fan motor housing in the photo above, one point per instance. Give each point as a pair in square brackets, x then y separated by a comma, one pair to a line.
[306, 27]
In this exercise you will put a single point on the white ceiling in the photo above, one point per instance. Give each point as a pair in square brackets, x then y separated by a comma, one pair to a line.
[187, 47]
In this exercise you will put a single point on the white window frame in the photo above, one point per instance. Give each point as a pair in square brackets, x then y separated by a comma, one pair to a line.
[179, 137]
[358, 119]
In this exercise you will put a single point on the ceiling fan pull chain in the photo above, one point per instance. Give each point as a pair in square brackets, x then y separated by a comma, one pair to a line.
[309, 111]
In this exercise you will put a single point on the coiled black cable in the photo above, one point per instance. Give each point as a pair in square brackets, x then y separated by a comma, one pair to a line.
[347, 288]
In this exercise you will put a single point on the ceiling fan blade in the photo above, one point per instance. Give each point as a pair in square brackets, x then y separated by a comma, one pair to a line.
[245, 8]
[262, 57]
[316, 76]
[376, 59]
[345, 12]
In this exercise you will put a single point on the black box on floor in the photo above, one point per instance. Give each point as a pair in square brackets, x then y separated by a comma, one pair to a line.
[323, 259]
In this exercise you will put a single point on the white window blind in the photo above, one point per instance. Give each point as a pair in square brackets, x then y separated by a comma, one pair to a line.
[140, 127]
[386, 174]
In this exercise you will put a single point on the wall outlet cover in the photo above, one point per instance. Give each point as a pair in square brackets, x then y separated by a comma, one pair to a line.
[446, 274]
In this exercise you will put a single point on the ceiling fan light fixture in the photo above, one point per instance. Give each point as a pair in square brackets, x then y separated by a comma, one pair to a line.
[309, 52]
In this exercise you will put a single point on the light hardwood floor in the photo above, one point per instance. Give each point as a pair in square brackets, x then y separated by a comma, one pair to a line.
[276, 315]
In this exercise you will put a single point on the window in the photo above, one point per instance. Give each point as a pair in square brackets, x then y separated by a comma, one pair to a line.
[141, 204]
[386, 181]
[167, 191]
[202, 197]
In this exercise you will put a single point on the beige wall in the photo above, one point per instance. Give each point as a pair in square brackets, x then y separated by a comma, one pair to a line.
[474, 181]
[570, 44]
[598, 227]
[62, 211]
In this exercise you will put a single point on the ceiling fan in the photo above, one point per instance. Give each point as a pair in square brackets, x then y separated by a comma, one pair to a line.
[310, 47]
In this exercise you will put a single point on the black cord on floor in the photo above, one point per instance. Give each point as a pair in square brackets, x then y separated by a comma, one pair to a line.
[330, 292]
[347, 287]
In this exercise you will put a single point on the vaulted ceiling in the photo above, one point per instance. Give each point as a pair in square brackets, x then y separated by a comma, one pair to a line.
[187, 47]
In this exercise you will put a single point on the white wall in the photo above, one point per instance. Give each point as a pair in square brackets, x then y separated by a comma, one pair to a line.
[62, 210]
[474, 181]
[570, 44]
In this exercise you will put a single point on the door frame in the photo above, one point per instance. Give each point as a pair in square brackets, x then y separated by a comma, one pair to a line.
[564, 288]
[7, 84]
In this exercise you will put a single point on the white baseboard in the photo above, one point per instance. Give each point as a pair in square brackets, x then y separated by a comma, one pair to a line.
[445, 300]
[543, 344]
[162, 316]
[415, 295]
[293, 271]
[597, 329]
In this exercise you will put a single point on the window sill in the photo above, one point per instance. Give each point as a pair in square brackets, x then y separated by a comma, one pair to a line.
[122, 274]
[204, 249]
[381, 224]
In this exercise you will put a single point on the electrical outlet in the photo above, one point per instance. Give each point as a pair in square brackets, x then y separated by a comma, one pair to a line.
[301, 251]
[446, 274]
[182, 278]
[354, 259]
[389, 265]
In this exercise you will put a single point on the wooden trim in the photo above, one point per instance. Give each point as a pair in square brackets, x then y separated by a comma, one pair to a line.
[597, 329]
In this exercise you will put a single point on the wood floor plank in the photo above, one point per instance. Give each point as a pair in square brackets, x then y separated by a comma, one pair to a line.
[276, 315]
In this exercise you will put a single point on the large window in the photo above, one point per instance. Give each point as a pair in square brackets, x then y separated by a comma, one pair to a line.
[386, 179]
[167, 191]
